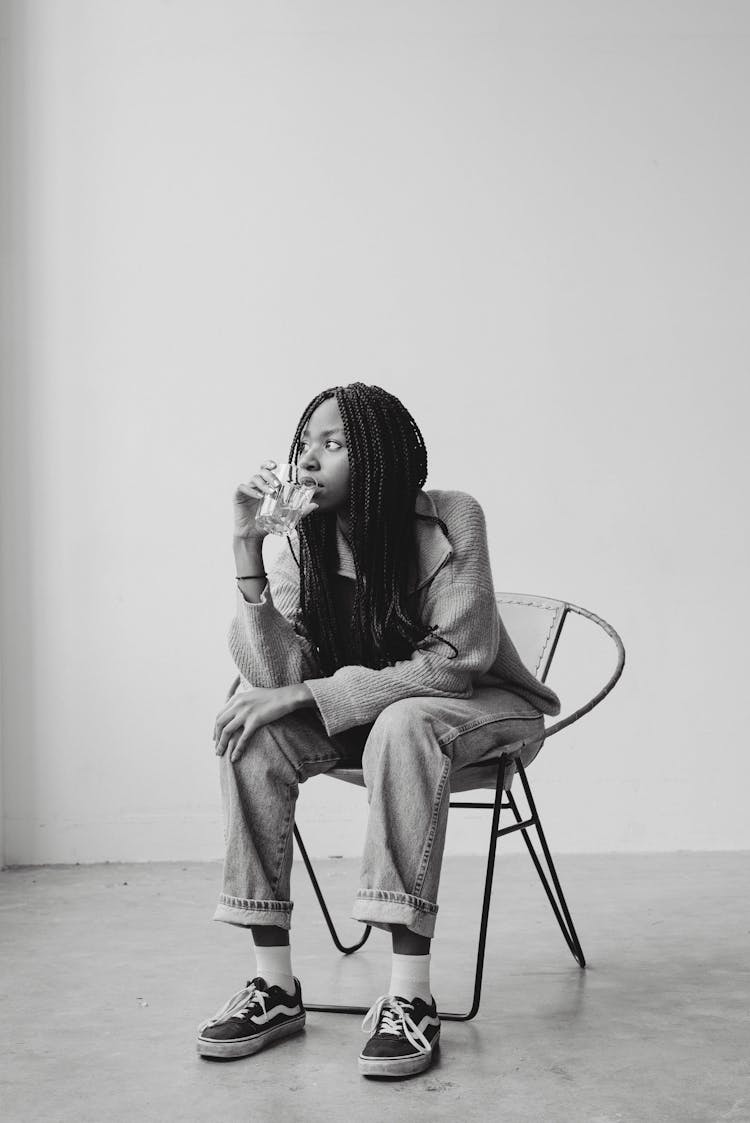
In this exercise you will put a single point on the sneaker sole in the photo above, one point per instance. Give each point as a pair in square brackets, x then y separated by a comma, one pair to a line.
[246, 1046]
[398, 1066]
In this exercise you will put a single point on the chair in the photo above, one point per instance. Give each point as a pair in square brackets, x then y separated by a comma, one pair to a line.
[535, 625]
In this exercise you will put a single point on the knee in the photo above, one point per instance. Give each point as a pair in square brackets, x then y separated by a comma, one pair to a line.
[403, 729]
[260, 758]
[402, 719]
[409, 717]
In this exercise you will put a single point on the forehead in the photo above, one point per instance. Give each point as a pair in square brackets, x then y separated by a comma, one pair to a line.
[326, 416]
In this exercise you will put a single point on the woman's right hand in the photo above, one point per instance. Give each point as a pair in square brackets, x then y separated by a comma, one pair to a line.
[248, 498]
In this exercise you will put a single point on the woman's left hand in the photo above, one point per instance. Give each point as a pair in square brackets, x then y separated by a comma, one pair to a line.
[244, 713]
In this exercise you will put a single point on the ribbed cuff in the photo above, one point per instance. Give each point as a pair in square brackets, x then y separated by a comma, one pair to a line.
[328, 703]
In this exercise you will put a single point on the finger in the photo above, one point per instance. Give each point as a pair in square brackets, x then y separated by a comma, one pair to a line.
[270, 478]
[268, 464]
[219, 745]
[259, 486]
[223, 717]
[222, 746]
[228, 730]
[241, 744]
[251, 489]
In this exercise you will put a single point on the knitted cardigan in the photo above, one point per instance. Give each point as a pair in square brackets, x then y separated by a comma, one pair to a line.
[452, 581]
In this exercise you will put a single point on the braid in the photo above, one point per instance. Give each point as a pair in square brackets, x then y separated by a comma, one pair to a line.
[387, 467]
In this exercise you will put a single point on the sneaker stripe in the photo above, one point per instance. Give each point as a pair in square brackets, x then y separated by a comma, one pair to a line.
[269, 1015]
[428, 1020]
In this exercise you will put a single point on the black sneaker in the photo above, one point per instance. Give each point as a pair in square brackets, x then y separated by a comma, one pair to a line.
[252, 1018]
[404, 1037]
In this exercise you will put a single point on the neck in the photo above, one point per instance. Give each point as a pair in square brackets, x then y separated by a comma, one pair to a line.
[343, 524]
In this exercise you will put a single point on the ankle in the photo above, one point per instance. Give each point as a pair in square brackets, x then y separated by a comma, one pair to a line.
[410, 977]
[406, 942]
[274, 964]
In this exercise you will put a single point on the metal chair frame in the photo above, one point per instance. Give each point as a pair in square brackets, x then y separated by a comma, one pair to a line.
[505, 763]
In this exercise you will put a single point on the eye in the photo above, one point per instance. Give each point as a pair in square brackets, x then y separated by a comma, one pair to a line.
[330, 441]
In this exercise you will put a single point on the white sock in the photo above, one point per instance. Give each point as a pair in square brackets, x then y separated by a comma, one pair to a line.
[274, 964]
[410, 977]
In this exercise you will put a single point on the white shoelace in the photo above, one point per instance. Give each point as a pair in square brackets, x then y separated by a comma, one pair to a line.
[389, 1015]
[237, 1005]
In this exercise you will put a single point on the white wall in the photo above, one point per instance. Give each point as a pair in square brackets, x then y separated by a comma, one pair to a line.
[529, 220]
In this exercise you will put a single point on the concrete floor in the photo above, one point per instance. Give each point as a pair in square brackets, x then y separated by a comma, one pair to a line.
[106, 971]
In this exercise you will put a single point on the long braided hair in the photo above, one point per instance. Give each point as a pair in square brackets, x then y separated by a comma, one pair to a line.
[387, 467]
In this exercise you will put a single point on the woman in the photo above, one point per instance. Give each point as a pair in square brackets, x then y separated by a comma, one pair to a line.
[375, 641]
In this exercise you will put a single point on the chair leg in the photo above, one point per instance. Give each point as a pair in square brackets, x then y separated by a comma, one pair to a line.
[561, 911]
[492, 850]
[482, 942]
[321, 901]
[563, 917]
[321, 1007]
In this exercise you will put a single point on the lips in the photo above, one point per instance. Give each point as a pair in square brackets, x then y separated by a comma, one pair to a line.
[309, 481]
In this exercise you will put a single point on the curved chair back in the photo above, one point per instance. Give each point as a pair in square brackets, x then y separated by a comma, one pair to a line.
[535, 625]
[546, 647]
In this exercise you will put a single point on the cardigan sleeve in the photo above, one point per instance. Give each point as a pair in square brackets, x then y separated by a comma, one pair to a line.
[264, 643]
[459, 603]
[465, 615]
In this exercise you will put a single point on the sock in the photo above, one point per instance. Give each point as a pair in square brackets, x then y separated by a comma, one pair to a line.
[274, 964]
[410, 977]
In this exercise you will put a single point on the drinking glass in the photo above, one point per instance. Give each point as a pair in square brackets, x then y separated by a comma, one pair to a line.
[280, 511]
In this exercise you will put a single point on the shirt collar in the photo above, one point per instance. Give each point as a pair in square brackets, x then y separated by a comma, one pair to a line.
[433, 547]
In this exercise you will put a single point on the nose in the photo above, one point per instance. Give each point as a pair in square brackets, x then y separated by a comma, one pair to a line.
[308, 461]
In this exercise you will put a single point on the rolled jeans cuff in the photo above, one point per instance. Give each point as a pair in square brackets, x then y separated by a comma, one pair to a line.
[383, 908]
[236, 910]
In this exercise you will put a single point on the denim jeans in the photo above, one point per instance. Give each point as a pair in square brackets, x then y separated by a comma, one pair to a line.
[407, 756]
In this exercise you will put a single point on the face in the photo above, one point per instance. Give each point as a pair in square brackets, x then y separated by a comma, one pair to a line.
[324, 457]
